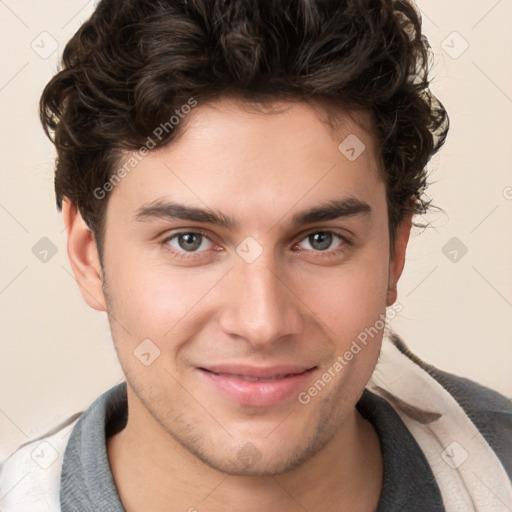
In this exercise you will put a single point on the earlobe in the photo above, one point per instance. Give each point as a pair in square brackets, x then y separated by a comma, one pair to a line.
[83, 257]
[397, 263]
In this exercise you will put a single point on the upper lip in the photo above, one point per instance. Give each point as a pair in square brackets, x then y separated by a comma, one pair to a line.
[262, 372]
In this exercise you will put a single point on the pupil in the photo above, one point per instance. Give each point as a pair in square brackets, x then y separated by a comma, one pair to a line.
[189, 242]
[322, 240]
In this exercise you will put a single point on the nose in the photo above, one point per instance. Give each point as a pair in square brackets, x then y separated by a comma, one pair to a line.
[261, 306]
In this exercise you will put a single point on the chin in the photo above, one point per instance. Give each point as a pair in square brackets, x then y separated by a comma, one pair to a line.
[256, 460]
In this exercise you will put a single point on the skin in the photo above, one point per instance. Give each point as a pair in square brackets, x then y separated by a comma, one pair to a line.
[293, 304]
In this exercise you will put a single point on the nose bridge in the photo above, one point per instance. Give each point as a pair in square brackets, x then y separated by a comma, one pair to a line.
[261, 307]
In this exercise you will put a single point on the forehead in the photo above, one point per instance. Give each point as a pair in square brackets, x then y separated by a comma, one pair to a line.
[236, 156]
[280, 123]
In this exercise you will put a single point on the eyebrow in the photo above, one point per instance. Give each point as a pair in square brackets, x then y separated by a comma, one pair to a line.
[330, 210]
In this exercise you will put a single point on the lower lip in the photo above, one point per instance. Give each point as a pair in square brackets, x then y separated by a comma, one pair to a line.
[258, 393]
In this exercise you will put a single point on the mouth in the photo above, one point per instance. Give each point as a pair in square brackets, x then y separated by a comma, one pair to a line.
[257, 386]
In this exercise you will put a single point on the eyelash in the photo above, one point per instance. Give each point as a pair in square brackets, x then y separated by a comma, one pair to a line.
[183, 255]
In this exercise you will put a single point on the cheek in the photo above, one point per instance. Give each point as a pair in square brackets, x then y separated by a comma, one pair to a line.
[350, 298]
[156, 304]
[154, 300]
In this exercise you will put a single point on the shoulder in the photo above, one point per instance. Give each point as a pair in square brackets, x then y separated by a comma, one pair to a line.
[30, 476]
[489, 410]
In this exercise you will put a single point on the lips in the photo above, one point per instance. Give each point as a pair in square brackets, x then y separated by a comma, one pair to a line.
[254, 379]
[256, 386]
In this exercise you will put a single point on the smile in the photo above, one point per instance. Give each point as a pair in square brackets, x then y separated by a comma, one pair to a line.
[256, 387]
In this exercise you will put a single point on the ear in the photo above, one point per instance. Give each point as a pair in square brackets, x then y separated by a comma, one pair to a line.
[396, 264]
[83, 256]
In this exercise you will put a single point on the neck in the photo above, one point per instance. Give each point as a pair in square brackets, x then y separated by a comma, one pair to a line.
[154, 472]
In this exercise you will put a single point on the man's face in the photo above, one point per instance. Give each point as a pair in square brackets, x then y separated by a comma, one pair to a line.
[247, 317]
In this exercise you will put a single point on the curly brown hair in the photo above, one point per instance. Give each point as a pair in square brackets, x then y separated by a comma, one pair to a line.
[135, 62]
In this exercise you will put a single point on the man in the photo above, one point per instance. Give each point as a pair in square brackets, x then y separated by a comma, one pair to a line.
[238, 181]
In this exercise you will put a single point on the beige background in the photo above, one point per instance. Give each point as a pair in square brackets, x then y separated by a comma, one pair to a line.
[56, 353]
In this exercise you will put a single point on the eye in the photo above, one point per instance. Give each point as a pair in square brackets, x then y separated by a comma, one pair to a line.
[321, 241]
[188, 242]
[194, 244]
